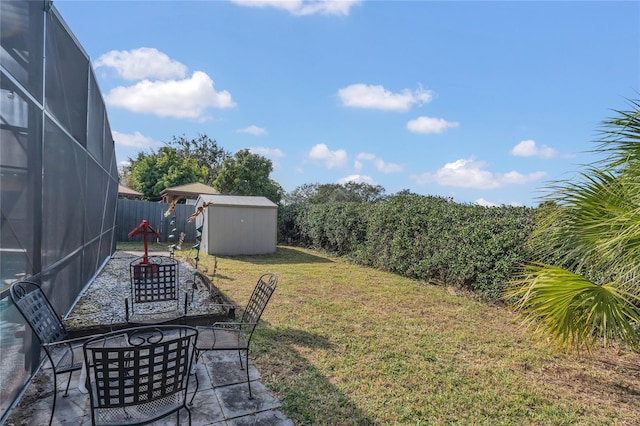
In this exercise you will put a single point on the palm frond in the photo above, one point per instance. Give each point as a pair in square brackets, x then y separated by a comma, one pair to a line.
[571, 311]
[595, 226]
[620, 138]
[589, 229]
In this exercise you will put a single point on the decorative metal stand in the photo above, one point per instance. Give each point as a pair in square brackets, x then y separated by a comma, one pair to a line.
[197, 246]
[172, 235]
[145, 229]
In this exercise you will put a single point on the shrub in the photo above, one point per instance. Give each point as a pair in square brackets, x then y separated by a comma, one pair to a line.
[423, 237]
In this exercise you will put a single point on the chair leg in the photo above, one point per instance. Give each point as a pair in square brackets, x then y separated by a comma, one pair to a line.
[55, 394]
[195, 364]
[66, 391]
[240, 358]
[247, 369]
[188, 412]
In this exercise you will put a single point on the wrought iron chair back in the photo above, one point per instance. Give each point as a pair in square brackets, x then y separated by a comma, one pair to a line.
[38, 311]
[155, 291]
[225, 336]
[258, 302]
[140, 374]
[64, 354]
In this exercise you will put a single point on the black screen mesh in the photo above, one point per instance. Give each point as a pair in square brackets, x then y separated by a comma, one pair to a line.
[59, 181]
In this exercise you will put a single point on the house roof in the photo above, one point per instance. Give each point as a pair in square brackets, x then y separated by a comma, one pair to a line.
[128, 191]
[236, 201]
[191, 188]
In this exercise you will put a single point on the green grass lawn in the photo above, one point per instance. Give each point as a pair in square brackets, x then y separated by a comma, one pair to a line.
[346, 345]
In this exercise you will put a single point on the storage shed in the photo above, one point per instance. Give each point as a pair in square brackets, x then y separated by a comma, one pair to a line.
[235, 225]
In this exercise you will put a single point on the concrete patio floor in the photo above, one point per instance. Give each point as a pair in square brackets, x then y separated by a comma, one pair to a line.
[222, 398]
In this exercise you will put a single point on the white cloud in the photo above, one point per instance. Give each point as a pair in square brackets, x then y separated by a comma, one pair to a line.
[379, 163]
[519, 178]
[468, 173]
[357, 179]
[187, 98]
[430, 125]
[377, 97]
[301, 7]
[135, 140]
[388, 168]
[331, 159]
[164, 88]
[138, 64]
[267, 152]
[366, 156]
[253, 130]
[123, 165]
[485, 203]
[528, 148]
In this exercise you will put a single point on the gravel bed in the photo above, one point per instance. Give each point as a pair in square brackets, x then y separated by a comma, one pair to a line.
[103, 303]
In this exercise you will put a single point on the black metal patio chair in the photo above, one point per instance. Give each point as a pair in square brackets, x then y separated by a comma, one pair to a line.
[236, 336]
[156, 296]
[64, 354]
[139, 375]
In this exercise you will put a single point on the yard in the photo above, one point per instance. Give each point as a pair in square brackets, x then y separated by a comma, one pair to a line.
[343, 344]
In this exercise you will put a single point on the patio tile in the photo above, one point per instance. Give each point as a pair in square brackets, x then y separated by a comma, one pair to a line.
[235, 401]
[200, 378]
[72, 407]
[172, 420]
[206, 409]
[230, 373]
[41, 416]
[264, 418]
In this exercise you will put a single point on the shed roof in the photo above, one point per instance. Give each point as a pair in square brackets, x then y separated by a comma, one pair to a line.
[237, 200]
[191, 188]
[189, 191]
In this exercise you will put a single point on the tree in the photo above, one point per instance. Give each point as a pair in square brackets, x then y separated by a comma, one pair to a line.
[204, 151]
[302, 193]
[316, 193]
[248, 174]
[152, 173]
[179, 162]
[584, 284]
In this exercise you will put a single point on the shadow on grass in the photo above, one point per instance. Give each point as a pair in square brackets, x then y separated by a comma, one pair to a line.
[223, 277]
[283, 255]
[307, 396]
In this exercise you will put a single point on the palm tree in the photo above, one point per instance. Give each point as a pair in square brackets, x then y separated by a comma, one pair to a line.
[584, 285]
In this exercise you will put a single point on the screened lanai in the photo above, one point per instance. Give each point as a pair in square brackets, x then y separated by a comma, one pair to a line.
[59, 180]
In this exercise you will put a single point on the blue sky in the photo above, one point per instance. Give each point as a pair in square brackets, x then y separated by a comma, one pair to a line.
[483, 102]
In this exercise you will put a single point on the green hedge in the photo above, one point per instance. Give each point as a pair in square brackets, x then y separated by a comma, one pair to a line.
[422, 237]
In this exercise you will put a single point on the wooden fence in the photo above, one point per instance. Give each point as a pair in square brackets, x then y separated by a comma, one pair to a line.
[131, 212]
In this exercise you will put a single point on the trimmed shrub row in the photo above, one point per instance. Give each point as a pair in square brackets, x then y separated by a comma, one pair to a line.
[423, 237]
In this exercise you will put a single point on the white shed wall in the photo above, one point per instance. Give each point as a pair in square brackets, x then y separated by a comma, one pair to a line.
[231, 230]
